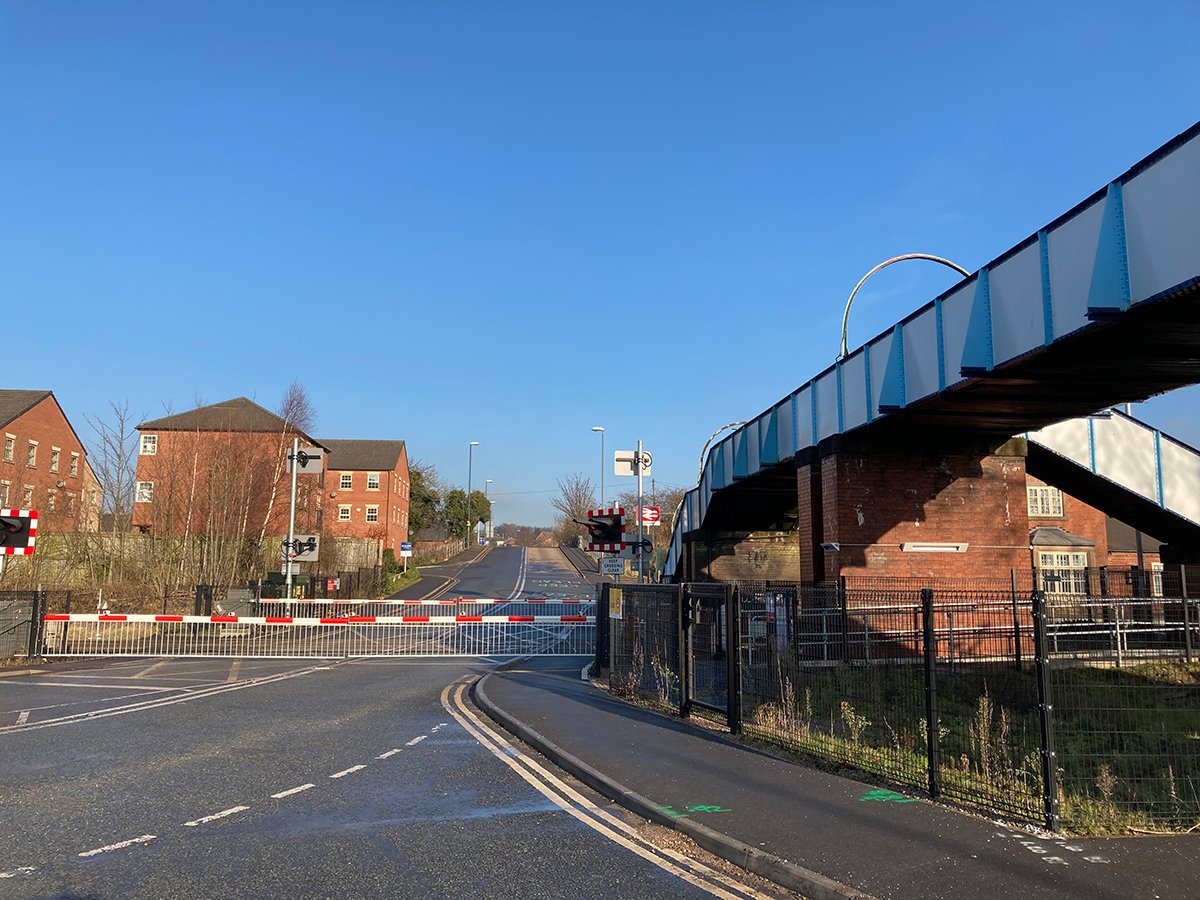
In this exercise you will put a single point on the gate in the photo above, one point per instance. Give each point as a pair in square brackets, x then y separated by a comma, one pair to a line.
[321, 629]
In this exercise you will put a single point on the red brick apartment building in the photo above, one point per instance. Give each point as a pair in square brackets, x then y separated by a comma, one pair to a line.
[366, 490]
[43, 464]
[221, 470]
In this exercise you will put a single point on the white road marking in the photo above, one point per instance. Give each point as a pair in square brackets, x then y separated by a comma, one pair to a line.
[581, 808]
[415, 741]
[146, 671]
[155, 704]
[389, 753]
[290, 791]
[346, 771]
[23, 717]
[75, 684]
[233, 671]
[144, 839]
[13, 873]
[222, 814]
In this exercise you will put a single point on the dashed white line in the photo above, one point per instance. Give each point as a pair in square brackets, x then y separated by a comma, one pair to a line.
[389, 753]
[23, 717]
[290, 791]
[415, 741]
[144, 839]
[13, 873]
[346, 771]
[222, 814]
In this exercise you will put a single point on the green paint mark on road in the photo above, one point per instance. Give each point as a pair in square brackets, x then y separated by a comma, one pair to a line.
[676, 814]
[884, 796]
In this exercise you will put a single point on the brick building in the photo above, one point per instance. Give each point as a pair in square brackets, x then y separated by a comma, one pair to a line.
[366, 486]
[44, 465]
[220, 470]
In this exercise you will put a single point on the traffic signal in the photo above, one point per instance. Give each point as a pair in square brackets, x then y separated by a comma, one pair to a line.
[18, 531]
[604, 529]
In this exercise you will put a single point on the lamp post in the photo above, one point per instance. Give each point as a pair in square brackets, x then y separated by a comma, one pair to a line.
[470, 454]
[600, 428]
[489, 507]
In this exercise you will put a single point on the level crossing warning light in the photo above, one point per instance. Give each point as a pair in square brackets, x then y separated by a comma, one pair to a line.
[604, 529]
[18, 531]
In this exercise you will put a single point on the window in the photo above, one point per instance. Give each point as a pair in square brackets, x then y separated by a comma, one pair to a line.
[10, 442]
[144, 492]
[27, 497]
[31, 455]
[1063, 573]
[1045, 502]
[372, 513]
[50, 501]
[346, 481]
[54, 455]
[71, 505]
[74, 465]
[1156, 579]
[344, 513]
[372, 481]
[149, 444]
[4, 488]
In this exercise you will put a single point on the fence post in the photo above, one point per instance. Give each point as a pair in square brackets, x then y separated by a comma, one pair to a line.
[844, 610]
[602, 612]
[1016, 617]
[37, 622]
[932, 737]
[1187, 620]
[684, 617]
[1045, 713]
[198, 601]
[733, 659]
[165, 595]
[66, 626]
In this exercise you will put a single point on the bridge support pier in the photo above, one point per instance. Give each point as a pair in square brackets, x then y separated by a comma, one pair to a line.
[904, 504]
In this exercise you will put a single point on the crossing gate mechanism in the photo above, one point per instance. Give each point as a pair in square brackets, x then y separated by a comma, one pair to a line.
[318, 636]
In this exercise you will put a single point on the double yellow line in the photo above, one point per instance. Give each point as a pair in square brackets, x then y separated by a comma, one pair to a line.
[584, 810]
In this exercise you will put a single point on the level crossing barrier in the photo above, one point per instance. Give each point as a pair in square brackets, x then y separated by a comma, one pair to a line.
[325, 637]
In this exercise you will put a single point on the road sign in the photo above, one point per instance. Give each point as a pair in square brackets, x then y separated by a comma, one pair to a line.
[612, 565]
[406, 548]
[305, 548]
[604, 528]
[18, 531]
[311, 461]
[651, 515]
[623, 462]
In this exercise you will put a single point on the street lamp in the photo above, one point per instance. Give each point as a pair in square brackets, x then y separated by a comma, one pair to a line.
[470, 453]
[600, 428]
[489, 507]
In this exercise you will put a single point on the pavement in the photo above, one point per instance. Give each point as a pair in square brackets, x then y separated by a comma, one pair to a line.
[814, 832]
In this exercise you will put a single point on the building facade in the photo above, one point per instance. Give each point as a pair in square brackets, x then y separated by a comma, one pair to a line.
[44, 465]
[366, 491]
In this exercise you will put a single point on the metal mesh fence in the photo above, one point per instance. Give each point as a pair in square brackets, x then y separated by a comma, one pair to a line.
[938, 684]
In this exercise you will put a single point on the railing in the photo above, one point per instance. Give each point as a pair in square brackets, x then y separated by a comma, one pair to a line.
[92, 634]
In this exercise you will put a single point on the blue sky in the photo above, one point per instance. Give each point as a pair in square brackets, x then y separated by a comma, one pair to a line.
[511, 221]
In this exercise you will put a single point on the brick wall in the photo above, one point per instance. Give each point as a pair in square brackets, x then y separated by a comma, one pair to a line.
[391, 500]
[64, 501]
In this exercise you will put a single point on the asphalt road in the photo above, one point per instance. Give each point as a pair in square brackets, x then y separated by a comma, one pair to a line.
[301, 778]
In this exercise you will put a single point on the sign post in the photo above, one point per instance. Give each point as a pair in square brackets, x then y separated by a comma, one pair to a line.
[405, 552]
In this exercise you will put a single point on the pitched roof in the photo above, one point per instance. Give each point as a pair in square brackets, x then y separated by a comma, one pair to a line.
[14, 403]
[374, 456]
[238, 414]
[1053, 536]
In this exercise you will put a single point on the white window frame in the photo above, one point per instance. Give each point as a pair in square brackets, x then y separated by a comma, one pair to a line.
[31, 455]
[1045, 502]
[55, 455]
[372, 508]
[144, 492]
[370, 476]
[5, 490]
[1156, 579]
[70, 506]
[343, 512]
[1063, 571]
[346, 481]
[73, 472]
[27, 498]
[148, 445]
[51, 503]
[10, 447]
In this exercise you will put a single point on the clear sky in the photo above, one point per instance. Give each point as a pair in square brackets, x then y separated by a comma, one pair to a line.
[510, 221]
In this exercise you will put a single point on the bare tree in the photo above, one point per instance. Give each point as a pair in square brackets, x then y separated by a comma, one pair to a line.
[576, 496]
[115, 465]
